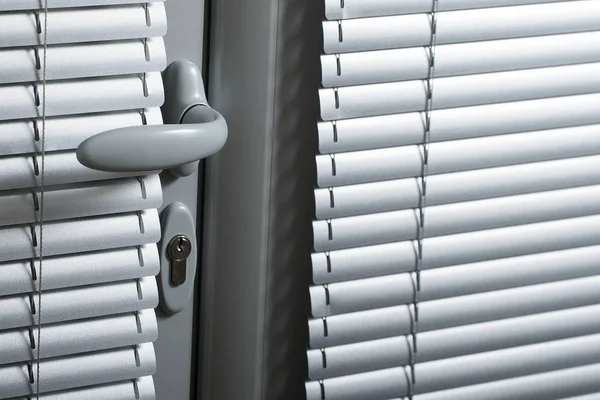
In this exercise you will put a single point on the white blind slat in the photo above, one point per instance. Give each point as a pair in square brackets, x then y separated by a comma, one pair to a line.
[533, 387]
[87, 24]
[458, 123]
[533, 359]
[81, 336]
[97, 198]
[388, 383]
[434, 346]
[394, 321]
[67, 132]
[361, 9]
[141, 388]
[459, 91]
[84, 60]
[60, 168]
[454, 342]
[81, 302]
[534, 328]
[459, 59]
[593, 396]
[349, 264]
[463, 248]
[80, 269]
[12, 5]
[459, 155]
[455, 281]
[375, 197]
[396, 226]
[440, 314]
[323, 309]
[461, 26]
[83, 96]
[79, 235]
[81, 370]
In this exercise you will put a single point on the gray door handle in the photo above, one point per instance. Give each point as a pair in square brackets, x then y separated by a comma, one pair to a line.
[192, 131]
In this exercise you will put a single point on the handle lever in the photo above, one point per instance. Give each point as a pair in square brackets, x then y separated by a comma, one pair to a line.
[192, 131]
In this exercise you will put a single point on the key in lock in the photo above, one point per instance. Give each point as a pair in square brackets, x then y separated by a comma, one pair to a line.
[179, 249]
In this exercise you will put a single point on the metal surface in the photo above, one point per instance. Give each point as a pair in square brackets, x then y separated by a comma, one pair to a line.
[153, 147]
[192, 131]
[264, 77]
[174, 347]
[180, 249]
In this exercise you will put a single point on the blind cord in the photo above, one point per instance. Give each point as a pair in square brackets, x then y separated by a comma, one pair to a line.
[43, 170]
[423, 198]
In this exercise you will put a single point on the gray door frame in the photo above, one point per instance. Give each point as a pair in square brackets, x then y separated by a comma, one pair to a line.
[264, 76]
[176, 345]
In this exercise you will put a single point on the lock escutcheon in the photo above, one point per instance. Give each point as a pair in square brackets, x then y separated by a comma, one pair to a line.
[178, 272]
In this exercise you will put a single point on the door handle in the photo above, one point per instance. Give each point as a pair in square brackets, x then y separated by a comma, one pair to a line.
[192, 131]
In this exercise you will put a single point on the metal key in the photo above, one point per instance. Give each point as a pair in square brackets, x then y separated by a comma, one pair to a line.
[179, 250]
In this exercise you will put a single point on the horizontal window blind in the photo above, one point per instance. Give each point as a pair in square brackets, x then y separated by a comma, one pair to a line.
[142, 388]
[460, 59]
[71, 61]
[73, 201]
[105, 366]
[10, 5]
[93, 256]
[84, 24]
[471, 25]
[456, 240]
[458, 123]
[359, 9]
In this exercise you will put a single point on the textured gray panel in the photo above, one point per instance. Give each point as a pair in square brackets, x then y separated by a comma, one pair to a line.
[293, 176]
[264, 77]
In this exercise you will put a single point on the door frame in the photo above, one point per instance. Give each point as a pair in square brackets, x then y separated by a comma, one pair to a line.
[263, 76]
